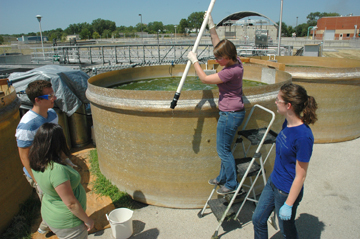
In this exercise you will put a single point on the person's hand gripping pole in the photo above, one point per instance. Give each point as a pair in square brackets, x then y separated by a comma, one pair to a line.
[210, 20]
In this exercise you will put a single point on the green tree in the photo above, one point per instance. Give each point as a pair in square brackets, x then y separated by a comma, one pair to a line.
[100, 25]
[154, 27]
[121, 28]
[182, 25]
[290, 31]
[1, 39]
[85, 33]
[195, 20]
[53, 36]
[170, 28]
[96, 35]
[73, 29]
[284, 29]
[106, 33]
[314, 16]
[138, 27]
[63, 36]
[301, 30]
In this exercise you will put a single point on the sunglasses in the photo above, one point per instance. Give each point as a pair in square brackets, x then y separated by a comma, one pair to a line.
[47, 97]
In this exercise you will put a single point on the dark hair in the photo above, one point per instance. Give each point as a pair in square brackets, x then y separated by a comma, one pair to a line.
[226, 48]
[35, 89]
[300, 101]
[49, 142]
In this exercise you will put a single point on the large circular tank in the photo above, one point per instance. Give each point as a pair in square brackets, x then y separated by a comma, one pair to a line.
[335, 84]
[162, 156]
[14, 189]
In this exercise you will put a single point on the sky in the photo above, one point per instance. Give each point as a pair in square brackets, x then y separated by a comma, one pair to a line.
[19, 16]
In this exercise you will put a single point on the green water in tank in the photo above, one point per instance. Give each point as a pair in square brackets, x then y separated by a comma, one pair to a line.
[171, 84]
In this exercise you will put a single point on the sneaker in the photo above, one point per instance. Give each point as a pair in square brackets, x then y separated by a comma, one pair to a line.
[213, 182]
[43, 228]
[224, 190]
[42, 231]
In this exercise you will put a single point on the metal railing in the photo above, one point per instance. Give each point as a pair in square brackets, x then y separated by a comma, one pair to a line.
[140, 54]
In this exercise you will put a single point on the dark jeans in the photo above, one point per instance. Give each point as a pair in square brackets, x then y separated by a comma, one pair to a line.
[271, 198]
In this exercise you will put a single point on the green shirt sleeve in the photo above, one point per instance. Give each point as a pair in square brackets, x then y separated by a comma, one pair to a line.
[59, 175]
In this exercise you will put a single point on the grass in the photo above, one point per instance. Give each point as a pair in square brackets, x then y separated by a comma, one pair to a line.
[20, 226]
[104, 187]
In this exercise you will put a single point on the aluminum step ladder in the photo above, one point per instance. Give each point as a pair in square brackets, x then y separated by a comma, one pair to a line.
[247, 167]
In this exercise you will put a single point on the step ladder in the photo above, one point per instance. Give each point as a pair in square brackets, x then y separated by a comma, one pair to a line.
[247, 167]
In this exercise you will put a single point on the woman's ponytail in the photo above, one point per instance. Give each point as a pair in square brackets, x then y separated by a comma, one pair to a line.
[309, 111]
[304, 106]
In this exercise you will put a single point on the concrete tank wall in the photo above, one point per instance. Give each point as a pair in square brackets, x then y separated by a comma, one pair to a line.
[14, 189]
[162, 156]
[335, 84]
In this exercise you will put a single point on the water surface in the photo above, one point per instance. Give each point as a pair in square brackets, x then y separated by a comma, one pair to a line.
[171, 84]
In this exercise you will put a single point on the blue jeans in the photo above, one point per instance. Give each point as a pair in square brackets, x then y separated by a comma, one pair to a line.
[227, 126]
[271, 198]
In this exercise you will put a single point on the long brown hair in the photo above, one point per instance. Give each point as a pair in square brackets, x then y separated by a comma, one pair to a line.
[226, 48]
[48, 145]
[304, 105]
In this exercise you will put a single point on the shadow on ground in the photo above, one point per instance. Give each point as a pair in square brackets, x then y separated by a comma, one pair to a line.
[308, 226]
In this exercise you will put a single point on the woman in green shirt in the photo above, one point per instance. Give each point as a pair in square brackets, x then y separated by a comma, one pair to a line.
[64, 201]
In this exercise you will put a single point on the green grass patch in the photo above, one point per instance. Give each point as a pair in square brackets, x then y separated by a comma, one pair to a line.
[104, 187]
[20, 226]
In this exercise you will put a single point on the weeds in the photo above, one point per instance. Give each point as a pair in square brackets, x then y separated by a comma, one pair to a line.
[104, 187]
[20, 226]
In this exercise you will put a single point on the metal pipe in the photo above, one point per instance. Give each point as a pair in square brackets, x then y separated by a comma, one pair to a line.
[280, 24]
[42, 43]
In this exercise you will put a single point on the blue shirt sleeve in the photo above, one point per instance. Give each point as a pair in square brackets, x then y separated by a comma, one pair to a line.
[304, 148]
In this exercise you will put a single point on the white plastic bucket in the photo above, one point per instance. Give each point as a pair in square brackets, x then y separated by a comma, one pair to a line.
[120, 220]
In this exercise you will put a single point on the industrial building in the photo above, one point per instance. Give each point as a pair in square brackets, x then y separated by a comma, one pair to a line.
[240, 26]
[338, 28]
[32, 39]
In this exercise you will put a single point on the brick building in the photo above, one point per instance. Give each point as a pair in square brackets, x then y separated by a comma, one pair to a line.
[338, 28]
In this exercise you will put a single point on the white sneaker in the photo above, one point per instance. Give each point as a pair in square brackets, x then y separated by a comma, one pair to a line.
[43, 231]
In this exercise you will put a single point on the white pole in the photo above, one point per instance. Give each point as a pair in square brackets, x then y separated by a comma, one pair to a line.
[42, 43]
[280, 23]
[187, 68]
[142, 37]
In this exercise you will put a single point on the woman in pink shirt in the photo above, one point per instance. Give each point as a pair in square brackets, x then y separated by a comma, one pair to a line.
[231, 106]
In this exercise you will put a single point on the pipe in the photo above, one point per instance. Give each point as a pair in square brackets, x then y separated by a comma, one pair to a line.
[280, 24]
[187, 68]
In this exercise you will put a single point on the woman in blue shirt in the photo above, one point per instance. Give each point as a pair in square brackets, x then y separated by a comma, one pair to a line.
[294, 144]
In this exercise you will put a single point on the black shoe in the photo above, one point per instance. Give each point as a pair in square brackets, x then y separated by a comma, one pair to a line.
[213, 182]
[224, 190]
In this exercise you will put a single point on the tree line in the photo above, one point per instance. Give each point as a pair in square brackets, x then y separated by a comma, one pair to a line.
[101, 28]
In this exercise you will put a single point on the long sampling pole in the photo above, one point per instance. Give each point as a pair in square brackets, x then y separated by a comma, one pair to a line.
[202, 29]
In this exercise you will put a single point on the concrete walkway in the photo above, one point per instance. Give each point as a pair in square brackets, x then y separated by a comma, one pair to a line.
[330, 207]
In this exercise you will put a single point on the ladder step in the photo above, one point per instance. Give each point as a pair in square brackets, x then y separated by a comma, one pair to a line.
[218, 206]
[242, 165]
[256, 135]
